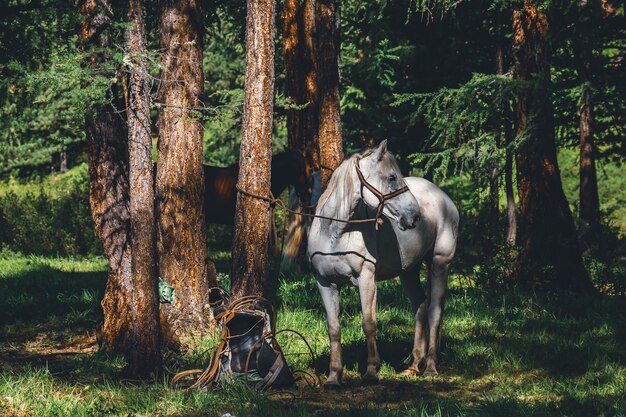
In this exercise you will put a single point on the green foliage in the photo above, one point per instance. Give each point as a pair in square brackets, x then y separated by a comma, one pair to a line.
[466, 124]
[45, 92]
[224, 66]
[52, 220]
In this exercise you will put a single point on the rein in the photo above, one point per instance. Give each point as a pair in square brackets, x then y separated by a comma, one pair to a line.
[380, 196]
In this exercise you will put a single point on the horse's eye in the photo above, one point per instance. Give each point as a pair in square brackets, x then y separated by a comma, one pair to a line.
[392, 178]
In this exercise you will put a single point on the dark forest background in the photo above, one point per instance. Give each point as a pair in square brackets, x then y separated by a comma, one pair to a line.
[435, 79]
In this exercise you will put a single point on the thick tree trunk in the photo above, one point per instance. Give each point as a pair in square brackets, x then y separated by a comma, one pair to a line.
[108, 197]
[327, 26]
[589, 201]
[252, 216]
[108, 183]
[301, 78]
[144, 334]
[180, 176]
[550, 255]
[302, 124]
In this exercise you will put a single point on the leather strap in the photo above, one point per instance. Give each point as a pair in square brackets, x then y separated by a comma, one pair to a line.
[380, 196]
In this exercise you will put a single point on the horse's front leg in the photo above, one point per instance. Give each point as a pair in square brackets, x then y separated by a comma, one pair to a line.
[330, 297]
[367, 292]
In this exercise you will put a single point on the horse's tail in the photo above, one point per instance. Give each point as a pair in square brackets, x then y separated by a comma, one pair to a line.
[295, 240]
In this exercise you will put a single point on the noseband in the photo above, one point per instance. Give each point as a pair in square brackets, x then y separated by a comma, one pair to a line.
[380, 196]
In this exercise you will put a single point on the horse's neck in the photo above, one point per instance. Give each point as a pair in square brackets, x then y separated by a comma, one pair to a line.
[337, 229]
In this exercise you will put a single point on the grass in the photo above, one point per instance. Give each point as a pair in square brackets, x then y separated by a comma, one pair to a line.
[508, 354]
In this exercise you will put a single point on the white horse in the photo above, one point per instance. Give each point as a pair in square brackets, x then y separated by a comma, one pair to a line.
[417, 221]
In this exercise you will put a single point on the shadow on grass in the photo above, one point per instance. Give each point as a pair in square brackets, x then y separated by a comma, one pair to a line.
[49, 318]
[42, 293]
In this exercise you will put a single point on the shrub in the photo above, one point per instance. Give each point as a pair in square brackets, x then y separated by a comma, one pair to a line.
[49, 222]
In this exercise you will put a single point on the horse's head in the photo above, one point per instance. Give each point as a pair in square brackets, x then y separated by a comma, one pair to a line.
[383, 187]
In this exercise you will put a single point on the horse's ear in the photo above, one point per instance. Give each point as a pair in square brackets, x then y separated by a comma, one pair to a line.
[382, 149]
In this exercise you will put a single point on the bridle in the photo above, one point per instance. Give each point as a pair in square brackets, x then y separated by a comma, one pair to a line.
[380, 196]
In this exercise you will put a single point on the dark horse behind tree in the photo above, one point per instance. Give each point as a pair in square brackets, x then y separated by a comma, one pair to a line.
[220, 185]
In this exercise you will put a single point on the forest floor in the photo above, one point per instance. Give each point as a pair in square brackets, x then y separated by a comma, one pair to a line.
[508, 354]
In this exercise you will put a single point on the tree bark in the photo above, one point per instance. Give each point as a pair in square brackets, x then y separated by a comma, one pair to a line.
[143, 345]
[108, 182]
[494, 169]
[330, 140]
[302, 124]
[301, 79]
[589, 201]
[180, 178]
[511, 215]
[550, 254]
[506, 131]
[252, 216]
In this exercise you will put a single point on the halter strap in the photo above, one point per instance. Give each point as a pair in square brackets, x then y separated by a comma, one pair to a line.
[380, 196]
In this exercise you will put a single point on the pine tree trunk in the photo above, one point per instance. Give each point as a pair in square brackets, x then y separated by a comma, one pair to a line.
[144, 341]
[301, 78]
[327, 26]
[506, 132]
[108, 182]
[302, 124]
[550, 254]
[252, 216]
[494, 169]
[511, 215]
[180, 176]
[589, 200]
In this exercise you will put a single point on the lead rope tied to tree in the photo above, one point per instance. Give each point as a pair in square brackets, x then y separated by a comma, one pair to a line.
[382, 198]
[273, 201]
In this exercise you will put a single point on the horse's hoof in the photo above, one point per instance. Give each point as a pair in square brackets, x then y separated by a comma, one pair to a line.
[332, 385]
[370, 379]
[410, 372]
[431, 372]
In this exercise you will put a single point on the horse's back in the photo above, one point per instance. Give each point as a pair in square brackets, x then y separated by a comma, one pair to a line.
[437, 208]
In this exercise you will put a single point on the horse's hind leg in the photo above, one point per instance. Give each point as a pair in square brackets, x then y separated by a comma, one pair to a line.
[330, 297]
[413, 287]
[438, 283]
[367, 293]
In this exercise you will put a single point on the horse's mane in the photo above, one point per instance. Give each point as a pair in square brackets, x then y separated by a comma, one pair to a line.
[336, 201]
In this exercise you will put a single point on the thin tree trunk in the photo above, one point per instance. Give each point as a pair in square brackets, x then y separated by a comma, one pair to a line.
[63, 163]
[144, 341]
[589, 200]
[511, 215]
[108, 182]
[505, 130]
[494, 171]
[550, 255]
[327, 26]
[252, 216]
[180, 177]
[302, 124]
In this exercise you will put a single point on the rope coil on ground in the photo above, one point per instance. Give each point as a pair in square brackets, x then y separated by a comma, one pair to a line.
[209, 377]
